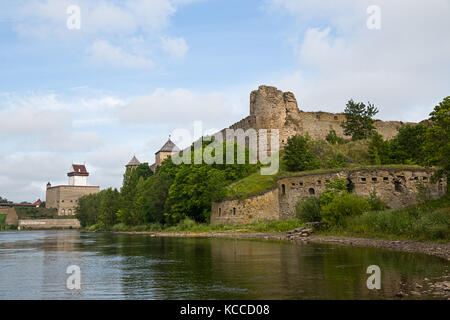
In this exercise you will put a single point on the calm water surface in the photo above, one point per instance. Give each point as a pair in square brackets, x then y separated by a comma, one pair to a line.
[33, 266]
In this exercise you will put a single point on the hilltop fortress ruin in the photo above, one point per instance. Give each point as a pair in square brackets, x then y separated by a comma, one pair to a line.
[271, 108]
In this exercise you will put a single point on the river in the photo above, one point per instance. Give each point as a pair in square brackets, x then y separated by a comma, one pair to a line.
[33, 265]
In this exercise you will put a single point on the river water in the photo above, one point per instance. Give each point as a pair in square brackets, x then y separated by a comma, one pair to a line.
[33, 265]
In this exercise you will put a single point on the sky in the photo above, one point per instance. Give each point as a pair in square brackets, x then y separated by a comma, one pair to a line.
[136, 70]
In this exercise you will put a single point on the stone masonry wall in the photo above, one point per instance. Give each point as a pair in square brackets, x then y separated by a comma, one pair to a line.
[271, 108]
[65, 198]
[49, 224]
[397, 187]
[256, 208]
[11, 216]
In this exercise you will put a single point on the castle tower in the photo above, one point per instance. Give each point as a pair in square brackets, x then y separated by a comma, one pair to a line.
[65, 198]
[133, 164]
[78, 175]
[167, 150]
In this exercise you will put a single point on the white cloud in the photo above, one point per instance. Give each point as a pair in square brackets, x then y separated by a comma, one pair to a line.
[48, 17]
[102, 52]
[175, 47]
[179, 106]
[402, 68]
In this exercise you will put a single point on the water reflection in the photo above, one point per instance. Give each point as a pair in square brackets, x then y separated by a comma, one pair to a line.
[33, 266]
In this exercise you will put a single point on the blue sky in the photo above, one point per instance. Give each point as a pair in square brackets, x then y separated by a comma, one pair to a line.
[138, 69]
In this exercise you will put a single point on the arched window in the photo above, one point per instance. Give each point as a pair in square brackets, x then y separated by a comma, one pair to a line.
[312, 191]
[234, 211]
[220, 212]
[283, 189]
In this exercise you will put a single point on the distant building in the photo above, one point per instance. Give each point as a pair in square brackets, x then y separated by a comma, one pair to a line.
[168, 149]
[133, 164]
[65, 198]
[36, 204]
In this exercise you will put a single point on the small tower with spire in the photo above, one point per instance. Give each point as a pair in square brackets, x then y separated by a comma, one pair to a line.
[167, 150]
[133, 164]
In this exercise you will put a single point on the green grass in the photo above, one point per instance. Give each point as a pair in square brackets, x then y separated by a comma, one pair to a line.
[256, 183]
[2, 219]
[425, 222]
[190, 226]
[38, 213]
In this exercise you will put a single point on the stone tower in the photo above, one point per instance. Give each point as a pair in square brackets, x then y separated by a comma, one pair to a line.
[78, 175]
[167, 150]
[133, 164]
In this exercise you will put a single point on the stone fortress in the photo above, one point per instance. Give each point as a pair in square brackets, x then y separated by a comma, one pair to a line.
[65, 197]
[271, 108]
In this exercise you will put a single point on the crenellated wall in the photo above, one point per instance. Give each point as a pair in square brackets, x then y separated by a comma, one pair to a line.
[398, 187]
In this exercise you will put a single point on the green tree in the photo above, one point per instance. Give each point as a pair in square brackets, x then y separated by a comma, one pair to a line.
[379, 150]
[4, 200]
[88, 209]
[437, 139]
[109, 205]
[333, 138]
[298, 155]
[195, 186]
[359, 122]
[408, 145]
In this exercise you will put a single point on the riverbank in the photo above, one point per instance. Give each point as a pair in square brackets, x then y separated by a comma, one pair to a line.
[441, 250]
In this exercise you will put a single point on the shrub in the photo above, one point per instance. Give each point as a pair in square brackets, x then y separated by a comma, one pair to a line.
[375, 203]
[342, 206]
[308, 210]
[186, 224]
[336, 161]
[333, 138]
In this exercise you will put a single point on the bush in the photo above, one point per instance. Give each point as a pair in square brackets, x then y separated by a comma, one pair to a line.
[333, 138]
[342, 206]
[308, 210]
[298, 154]
[414, 223]
[375, 203]
[186, 224]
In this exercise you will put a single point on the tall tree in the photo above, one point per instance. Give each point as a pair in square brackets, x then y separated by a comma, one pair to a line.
[407, 145]
[359, 122]
[437, 139]
[298, 155]
[109, 205]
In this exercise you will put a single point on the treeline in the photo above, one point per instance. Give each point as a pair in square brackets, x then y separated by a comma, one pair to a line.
[173, 193]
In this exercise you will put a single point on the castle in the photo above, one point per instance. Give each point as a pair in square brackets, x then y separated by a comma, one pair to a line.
[65, 197]
[271, 109]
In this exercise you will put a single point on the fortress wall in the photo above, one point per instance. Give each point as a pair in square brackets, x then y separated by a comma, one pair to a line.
[397, 187]
[11, 216]
[271, 108]
[49, 224]
[256, 208]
